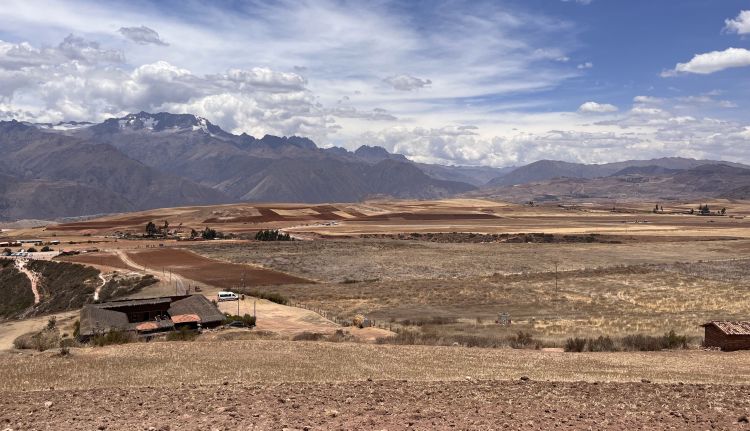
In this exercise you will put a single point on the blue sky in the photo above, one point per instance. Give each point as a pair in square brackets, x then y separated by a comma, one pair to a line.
[474, 83]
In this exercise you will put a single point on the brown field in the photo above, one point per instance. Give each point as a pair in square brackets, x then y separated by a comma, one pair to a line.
[208, 271]
[173, 364]
[107, 260]
[283, 384]
[391, 405]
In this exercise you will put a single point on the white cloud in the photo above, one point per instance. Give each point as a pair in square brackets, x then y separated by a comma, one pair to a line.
[711, 62]
[586, 65]
[597, 108]
[740, 24]
[142, 35]
[406, 82]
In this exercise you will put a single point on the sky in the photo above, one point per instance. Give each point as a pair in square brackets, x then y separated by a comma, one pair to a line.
[495, 83]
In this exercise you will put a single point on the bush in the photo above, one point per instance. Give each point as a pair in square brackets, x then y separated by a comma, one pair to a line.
[184, 334]
[51, 323]
[309, 336]
[113, 337]
[524, 340]
[575, 345]
[601, 344]
[64, 351]
[646, 343]
[41, 341]
[272, 235]
[247, 319]
[46, 248]
[358, 320]
[635, 342]
[270, 296]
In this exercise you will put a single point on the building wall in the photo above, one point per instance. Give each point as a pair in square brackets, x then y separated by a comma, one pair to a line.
[715, 338]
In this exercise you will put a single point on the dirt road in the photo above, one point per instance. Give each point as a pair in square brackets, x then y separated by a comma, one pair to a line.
[21, 265]
[391, 405]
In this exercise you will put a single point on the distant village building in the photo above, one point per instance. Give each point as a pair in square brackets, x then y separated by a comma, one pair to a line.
[147, 316]
[727, 336]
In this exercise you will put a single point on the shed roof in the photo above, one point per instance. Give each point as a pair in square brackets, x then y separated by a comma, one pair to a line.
[731, 328]
[96, 320]
[197, 305]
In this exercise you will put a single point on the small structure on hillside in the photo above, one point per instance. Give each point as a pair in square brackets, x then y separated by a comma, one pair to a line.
[147, 316]
[727, 336]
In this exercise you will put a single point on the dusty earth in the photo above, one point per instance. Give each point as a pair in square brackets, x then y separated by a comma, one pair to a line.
[383, 405]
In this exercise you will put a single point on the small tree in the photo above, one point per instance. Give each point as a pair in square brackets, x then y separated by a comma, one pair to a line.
[209, 233]
[151, 229]
[31, 250]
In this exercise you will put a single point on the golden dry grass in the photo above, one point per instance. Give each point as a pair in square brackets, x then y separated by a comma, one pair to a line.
[170, 364]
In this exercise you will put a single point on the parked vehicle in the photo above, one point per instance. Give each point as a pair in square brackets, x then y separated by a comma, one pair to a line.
[228, 296]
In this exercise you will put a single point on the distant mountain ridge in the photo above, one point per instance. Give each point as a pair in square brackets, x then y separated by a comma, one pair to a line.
[636, 183]
[145, 160]
[544, 170]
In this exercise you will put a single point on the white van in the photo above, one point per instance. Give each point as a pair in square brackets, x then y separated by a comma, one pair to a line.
[228, 296]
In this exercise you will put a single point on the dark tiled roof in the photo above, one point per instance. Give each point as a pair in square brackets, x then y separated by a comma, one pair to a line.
[198, 305]
[731, 328]
[95, 320]
[134, 302]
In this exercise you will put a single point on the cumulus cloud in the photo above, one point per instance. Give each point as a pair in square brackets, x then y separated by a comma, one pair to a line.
[142, 35]
[78, 81]
[596, 108]
[711, 62]
[406, 82]
[740, 24]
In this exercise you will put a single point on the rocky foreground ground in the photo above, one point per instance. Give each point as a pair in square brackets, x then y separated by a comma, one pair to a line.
[390, 405]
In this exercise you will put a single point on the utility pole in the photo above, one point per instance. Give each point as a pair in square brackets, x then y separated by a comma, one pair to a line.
[556, 263]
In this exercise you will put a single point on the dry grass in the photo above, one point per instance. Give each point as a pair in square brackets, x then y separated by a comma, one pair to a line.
[337, 261]
[171, 364]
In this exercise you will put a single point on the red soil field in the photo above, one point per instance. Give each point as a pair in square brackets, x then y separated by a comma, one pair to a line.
[102, 259]
[209, 271]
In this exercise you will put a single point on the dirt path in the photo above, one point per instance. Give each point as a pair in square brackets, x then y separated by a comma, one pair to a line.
[99, 288]
[33, 279]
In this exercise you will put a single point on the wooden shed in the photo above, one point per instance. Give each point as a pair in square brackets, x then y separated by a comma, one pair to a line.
[727, 336]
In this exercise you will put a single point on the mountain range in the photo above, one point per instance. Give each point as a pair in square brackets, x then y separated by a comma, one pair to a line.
[144, 160]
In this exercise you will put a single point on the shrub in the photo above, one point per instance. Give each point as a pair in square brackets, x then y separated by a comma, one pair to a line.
[41, 341]
[184, 334]
[272, 235]
[358, 320]
[645, 343]
[524, 340]
[51, 323]
[247, 319]
[309, 336]
[270, 296]
[113, 337]
[64, 351]
[601, 344]
[46, 248]
[31, 250]
[575, 344]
